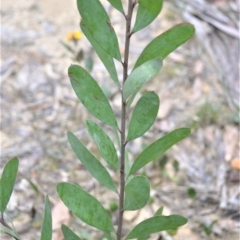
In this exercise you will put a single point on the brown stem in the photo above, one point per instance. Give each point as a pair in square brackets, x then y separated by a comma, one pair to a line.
[2, 221]
[123, 117]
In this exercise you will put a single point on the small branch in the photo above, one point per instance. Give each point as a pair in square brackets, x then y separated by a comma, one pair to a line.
[2, 221]
[130, 34]
[128, 17]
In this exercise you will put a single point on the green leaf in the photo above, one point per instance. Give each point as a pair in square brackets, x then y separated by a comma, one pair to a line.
[117, 4]
[172, 232]
[68, 233]
[104, 144]
[143, 238]
[67, 46]
[7, 182]
[5, 230]
[131, 98]
[141, 75]
[157, 148]
[191, 193]
[165, 43]
[95, 18]
[176, 165]
[148, 10]
[85, 206]
[91, 95]
[144, 115]
[108, 236]
[113, 206]
[46, 233]
[208, 228]
[137, 193]
[85, 234]
[97, 170]
[156, 224]
[159, 212]
[79, 56]
[163, 161]
[33, 185]
[105, 58]
[88, 63]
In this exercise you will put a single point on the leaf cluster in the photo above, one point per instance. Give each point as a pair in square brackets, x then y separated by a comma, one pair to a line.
[96, 26]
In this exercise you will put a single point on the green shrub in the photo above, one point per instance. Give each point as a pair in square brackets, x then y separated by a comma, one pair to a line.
[134, 190]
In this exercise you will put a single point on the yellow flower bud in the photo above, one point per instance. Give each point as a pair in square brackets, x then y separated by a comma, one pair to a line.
[73, 36]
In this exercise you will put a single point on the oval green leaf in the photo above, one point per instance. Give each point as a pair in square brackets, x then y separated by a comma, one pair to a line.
[141, 75]
[85, 206]
[156, 224]
[117, 4]
[91, 95]
[144, 115]
[165, 43]
[97, 21]
[46, 233]
[157, 148]
[97, 170]
[104, 144]
[137, 193]
[7, 182]
[148, 10]
[68, 233]
[105, 58]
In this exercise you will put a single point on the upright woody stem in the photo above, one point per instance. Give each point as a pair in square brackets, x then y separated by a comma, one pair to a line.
[131, 4]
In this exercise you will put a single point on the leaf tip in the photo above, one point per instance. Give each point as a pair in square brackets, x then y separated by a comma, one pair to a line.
[188, 131]
[69, 134]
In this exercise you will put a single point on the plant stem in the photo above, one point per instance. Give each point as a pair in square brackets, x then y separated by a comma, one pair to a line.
[2, 221]
[128, 17]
